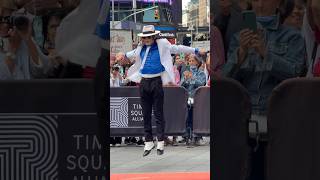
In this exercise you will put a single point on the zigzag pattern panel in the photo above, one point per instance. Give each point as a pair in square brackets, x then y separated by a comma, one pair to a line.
[28, 148]
[118, 112]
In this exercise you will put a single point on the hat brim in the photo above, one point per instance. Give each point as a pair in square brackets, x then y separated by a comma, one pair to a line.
[147, 35]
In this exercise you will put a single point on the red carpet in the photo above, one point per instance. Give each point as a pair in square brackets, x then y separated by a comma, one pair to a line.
[163, 176]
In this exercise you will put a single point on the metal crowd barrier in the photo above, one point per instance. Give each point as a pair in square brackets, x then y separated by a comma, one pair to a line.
[231, 112]
[126, 118]
[201, 111]
[293, 150]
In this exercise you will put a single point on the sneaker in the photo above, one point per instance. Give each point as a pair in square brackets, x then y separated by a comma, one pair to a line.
[184, 140]
[127, 141]
[174, 141]
[167, 142]
[196, 141]
[160, 147]
[133, 140]
[147, 148]
[189, 143]
[140, 142]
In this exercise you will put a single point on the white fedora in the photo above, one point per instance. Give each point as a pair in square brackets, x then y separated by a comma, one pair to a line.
[148, 30]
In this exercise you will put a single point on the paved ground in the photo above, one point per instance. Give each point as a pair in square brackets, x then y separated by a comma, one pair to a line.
[163, 176]
[128, 159]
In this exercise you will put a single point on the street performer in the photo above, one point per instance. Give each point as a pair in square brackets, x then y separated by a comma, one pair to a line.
[153, 68]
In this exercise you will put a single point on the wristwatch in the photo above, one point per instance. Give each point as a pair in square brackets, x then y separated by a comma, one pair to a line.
[11, 55]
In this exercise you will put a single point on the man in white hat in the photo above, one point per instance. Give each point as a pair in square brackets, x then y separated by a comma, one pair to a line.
[153, 68]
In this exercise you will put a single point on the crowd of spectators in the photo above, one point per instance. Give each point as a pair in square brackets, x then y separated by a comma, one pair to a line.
[285, 45]
[28, 35]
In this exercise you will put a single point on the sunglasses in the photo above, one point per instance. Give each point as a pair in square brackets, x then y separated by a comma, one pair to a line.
[148, 37]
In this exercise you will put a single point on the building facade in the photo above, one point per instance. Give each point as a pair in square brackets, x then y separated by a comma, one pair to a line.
[170, 16]
[203, 12]
[170, 10]
[193, 13]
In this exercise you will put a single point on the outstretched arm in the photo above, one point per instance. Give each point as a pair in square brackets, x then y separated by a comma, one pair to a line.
[126, 58]
[176, 49]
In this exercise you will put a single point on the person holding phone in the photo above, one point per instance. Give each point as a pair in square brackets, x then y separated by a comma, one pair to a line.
[21, 58]
[264, 54]
[182, 63]
[192, 79]
[153, 68]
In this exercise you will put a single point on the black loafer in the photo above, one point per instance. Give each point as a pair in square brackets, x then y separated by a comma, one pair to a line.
[147, 152]
[160, 152]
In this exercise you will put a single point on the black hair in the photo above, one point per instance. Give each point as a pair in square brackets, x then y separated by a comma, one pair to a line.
[58, 13]
[174, 57]
[116, 68]
[249, 5]
[285, 9]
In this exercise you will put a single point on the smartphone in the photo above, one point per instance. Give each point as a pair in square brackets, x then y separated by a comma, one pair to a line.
[188, 67]
[182, 56]
[249, 20]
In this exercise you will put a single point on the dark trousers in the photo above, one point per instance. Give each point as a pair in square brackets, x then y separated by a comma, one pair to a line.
[189, 123]
[151, 93]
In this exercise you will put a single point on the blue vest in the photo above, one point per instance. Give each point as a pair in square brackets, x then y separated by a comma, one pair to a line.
[153, 64]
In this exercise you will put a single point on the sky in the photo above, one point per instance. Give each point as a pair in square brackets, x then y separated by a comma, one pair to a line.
[185, 3]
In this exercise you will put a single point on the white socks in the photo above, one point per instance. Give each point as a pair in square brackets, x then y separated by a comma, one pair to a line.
[148, 145]
[160, 145]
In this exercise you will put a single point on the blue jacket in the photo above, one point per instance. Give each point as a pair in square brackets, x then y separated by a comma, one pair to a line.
[198, 79]
[285, 59]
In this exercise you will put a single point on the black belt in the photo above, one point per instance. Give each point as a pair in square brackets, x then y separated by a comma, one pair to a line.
[149, 79]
